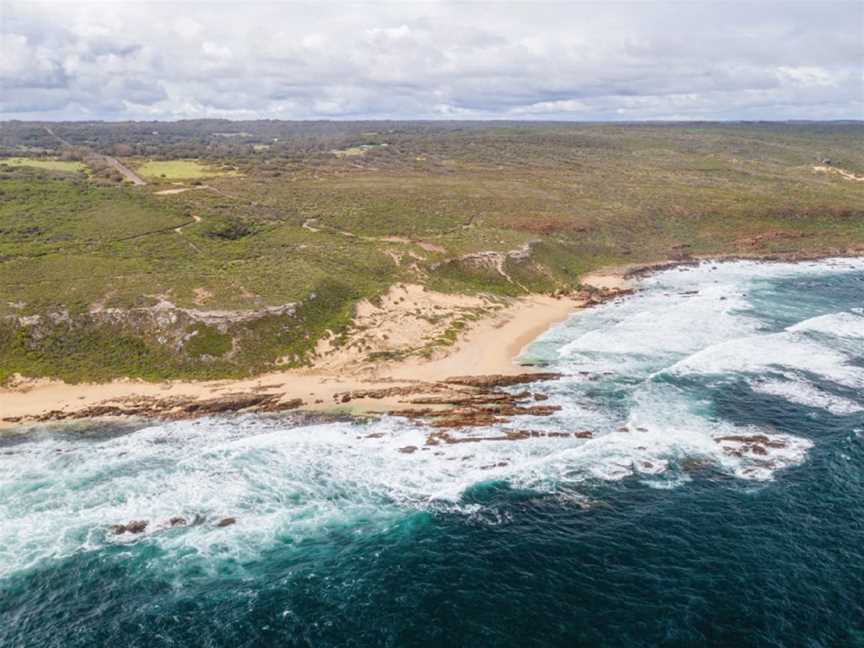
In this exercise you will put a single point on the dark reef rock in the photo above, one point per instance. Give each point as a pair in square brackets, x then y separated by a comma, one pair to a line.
[135, 526]
[175, 408]
[761, 439]
[500, 380]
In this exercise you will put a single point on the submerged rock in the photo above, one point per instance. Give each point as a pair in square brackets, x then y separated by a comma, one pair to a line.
[695, 465]
[762, 439]
[754, 444]
[445, 436]
[135, 526]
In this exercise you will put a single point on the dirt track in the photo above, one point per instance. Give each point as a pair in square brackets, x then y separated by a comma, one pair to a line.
[125, 171]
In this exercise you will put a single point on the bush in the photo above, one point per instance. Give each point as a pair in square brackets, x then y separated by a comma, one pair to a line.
[232, 231]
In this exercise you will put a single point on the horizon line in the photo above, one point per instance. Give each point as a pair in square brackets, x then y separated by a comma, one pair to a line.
[439, 121]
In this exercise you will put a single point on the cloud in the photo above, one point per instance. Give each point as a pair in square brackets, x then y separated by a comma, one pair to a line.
[444, 59]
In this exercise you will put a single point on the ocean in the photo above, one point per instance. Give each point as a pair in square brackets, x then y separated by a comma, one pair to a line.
[720, 501]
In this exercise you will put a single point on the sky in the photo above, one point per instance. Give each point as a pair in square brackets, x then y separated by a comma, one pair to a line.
[526, 60]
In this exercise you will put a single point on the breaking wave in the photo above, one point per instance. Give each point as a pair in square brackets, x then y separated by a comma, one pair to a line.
[715, 372]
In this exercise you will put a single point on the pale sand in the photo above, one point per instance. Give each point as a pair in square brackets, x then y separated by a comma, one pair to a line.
[171, 192]
[491, 346]
[841, 172]
[488, 346]
[409, 321]
[611, 278]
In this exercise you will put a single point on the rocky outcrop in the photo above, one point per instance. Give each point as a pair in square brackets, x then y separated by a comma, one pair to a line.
[171, 408]
[464, 401]
[597, 297]
[388, 392]
[134, 527]
[484, 415]
[493, 260]
[754, 444]
[447, 437]
[165, 314]
[471, 399]
[762, 439]
[501, 380]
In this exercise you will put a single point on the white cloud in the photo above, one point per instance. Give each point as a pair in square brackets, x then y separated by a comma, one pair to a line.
[445, 59]
[809, 76]
[214, 51]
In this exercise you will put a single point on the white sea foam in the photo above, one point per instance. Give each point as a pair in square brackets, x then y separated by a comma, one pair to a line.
[679, 427]
[758, 353]
[847, 325]
[805, 393]
[653, 325]
[682, 311]
[59, 493]
[59, 496]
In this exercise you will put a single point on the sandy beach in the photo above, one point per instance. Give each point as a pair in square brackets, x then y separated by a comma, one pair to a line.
[495, 332]
[489, 346]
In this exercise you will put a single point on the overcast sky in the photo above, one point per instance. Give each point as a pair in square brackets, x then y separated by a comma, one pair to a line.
[431, 60]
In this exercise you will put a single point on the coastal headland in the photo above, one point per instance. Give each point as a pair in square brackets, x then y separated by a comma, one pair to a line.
[456, 386]
[361, 268]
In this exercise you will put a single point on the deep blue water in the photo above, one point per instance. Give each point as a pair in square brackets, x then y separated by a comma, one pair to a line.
[660, 535]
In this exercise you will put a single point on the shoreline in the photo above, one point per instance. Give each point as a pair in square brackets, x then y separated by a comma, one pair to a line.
[488, 348]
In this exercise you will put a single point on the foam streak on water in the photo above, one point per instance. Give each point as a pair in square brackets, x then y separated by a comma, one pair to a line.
[671, 381]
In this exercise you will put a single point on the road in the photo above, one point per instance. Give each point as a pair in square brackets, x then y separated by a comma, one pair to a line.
[125, 171]
[114, 163]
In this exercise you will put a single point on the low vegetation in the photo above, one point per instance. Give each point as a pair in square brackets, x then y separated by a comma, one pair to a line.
[297, 222]
[180, 170]
[48, 164]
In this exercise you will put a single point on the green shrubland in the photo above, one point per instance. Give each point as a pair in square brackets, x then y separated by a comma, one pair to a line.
[301, 225]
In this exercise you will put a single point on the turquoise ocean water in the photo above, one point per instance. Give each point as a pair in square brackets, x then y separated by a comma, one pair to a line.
[720, 503]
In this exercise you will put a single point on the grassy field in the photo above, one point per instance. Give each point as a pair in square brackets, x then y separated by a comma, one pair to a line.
[104, 281]
[45, 163]
[180, 170]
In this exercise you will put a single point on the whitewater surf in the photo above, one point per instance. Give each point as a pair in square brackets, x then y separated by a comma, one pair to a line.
[719, 498]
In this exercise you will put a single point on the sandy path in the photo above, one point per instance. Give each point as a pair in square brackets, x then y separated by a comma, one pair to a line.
[841, 172]
[171, 192]
[314, 225]
[195, 219]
